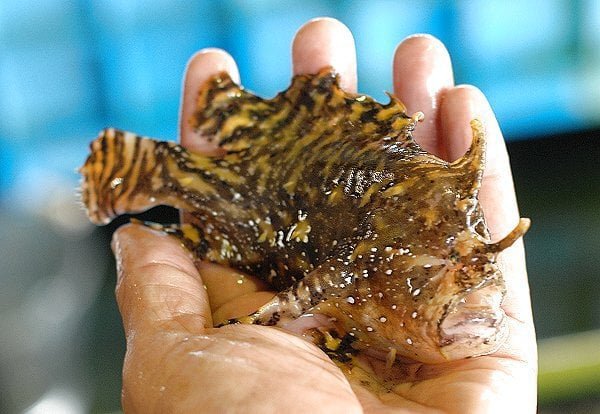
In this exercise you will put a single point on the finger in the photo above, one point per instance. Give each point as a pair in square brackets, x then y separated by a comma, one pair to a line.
[325, 42]
[203, 65]
[158, 287]
[221, 283]
[232, 293]
[461, 105]
[422, 71]
[497, 195]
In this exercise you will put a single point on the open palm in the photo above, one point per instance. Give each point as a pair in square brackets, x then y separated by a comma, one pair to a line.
[176, 361]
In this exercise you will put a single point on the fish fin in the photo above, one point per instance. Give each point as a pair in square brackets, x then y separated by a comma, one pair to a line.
[324, 283]
[228, 115]
[510, 238]
[190, 236]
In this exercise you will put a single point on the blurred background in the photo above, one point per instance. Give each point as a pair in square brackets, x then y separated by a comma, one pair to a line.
[70, 68]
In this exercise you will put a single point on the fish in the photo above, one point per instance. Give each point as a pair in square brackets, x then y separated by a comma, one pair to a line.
[324, 195]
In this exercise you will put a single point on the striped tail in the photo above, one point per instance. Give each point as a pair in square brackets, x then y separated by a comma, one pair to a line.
[126, 173]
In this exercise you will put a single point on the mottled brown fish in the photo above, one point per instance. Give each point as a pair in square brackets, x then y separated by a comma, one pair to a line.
[325, 195]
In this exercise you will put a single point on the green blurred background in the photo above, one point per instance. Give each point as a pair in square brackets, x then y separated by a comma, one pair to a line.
[70, 68]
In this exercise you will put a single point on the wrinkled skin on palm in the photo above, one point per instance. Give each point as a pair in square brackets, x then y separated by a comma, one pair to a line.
[324, 195]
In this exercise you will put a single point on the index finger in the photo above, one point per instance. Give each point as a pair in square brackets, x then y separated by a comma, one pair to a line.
[222, 284]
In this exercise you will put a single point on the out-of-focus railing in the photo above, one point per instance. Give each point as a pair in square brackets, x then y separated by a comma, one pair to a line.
[569, 367]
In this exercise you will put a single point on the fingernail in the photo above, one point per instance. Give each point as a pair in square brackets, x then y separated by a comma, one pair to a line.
[325, 42]
[215, 59]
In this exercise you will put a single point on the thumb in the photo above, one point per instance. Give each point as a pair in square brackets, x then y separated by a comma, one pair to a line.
[158, 286]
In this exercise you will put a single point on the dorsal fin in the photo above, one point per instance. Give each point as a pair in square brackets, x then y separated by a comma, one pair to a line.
[223, 108]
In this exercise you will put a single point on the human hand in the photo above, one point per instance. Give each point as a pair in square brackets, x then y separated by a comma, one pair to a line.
[176, 361]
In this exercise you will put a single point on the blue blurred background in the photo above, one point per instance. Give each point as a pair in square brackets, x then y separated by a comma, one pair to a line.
[70, 68]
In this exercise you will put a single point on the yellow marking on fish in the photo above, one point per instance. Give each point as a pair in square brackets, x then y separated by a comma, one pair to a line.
[146, 147]
[267, 232]
[463, 204]
[369, 128]
[397, 189]
[331, 343]
[357, 110]
[236, 121]
[464, 243]
[319, 101]
[193, 182]
[372, 190]
[387, 113]
[190, 232]
[246, 320]
[262, 166]
[298, 148]
[431, 217]
[290, 186]
[400, 123]
[337, 194]
[391, 358]
[299, 231]
[361, 249]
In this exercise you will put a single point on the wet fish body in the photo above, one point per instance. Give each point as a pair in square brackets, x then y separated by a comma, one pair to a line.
[325, 195]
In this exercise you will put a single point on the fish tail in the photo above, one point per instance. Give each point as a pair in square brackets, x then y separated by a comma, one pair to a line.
[127, 173]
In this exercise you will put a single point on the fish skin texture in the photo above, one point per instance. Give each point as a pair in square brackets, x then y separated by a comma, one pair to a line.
[324, 195]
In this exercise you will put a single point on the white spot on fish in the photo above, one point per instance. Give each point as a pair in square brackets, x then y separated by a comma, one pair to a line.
[116, 182]
[302, 215]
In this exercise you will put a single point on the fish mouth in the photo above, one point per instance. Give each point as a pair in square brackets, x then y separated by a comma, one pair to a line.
[474, 324]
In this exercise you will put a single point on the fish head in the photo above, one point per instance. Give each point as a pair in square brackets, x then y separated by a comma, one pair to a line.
[438, 295]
